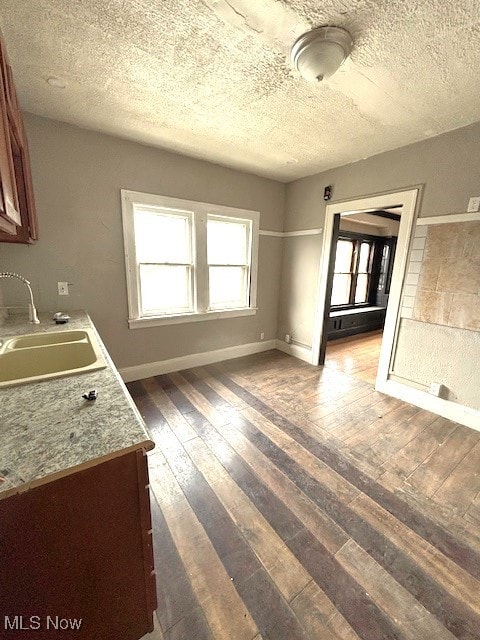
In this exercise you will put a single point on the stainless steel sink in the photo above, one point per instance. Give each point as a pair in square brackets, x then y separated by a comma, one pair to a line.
[42, 356]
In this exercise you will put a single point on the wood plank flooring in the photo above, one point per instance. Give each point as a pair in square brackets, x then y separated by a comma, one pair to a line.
[293, 502]
[356, 355]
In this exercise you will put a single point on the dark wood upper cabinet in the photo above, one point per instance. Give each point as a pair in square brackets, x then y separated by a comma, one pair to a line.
[18, 221]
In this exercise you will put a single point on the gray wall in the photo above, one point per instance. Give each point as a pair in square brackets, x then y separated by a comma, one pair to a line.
[447, 166]
[77, 177]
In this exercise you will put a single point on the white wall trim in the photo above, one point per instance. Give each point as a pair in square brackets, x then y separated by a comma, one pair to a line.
[302, 232]
[140, 371]
[274, 234]
[291, 234]
[295, 350]
[449, 218]
[451, 410]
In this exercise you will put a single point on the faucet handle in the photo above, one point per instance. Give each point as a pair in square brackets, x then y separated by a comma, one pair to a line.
[92, 395]
[61, 318]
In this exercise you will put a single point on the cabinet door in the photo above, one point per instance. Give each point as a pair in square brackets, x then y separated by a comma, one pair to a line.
[27, 232]
[13, 109]
[27, 188]
[10, 211]
[80, 548]
[18, 221]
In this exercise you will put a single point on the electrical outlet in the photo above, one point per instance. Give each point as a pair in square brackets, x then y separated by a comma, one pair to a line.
[262, 336]
[62, 288]
[288, 338]
[473, 204]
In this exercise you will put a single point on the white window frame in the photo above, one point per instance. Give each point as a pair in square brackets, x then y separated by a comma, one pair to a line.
[247, 266]
[199, 212]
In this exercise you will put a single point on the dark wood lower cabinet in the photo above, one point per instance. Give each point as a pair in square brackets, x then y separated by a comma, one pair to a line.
[352, 323]
[76, 557]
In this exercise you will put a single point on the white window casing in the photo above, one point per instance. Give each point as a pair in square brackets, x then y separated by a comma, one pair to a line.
[144, 257]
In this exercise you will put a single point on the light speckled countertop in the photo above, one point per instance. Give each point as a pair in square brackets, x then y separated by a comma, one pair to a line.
[47, 430]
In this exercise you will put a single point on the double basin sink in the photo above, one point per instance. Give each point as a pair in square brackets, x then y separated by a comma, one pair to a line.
[42, 356]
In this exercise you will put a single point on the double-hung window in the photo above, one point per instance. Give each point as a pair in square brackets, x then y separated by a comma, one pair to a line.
[352, 272]
[228, 255]
[188, 260]
[164, 257]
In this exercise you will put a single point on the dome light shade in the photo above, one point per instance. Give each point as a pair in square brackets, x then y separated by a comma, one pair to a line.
[317, 54]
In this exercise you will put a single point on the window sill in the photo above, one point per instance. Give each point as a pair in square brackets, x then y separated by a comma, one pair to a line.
[157, 321]
[335, 313]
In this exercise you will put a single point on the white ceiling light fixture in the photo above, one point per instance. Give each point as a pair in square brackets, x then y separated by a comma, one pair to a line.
[317, 54]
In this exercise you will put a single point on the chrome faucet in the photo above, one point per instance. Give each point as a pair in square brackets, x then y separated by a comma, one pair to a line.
[32, 312]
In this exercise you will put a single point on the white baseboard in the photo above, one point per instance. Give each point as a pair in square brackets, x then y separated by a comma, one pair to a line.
[446, 408]
[140, 371]
[302, 353]
[450, 410]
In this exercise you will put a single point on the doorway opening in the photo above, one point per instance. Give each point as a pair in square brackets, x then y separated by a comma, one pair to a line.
[364, 244]
[365, 249]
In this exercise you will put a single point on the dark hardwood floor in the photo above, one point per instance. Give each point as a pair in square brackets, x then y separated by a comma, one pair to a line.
[294, 502]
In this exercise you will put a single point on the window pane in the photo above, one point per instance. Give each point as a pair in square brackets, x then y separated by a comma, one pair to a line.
[343, 256]
[164, 288]
[383, 268]
[228, 287]
[363, 264]
[361, 288]
[341, 289]
[227, 242]
[160, 237]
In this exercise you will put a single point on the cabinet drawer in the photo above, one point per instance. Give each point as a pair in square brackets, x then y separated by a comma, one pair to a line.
[376, 316]
[349, 321]
[352, 323]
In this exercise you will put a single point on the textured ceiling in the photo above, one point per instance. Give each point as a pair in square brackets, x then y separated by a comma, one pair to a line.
[212, 78]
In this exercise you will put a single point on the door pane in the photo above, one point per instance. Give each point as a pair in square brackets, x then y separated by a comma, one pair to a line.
[165, 288]
[341, 289]
[161, 237]
[343, 256]
[361, 288]
[228, 288]
[363, 264]
[227, 242]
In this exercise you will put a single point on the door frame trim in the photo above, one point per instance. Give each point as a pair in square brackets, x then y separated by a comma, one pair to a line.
[408, 198]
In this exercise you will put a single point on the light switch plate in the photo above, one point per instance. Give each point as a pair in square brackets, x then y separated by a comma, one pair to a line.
[473, 204]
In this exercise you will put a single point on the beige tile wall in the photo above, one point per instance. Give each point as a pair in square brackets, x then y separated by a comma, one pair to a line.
[447, 259]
